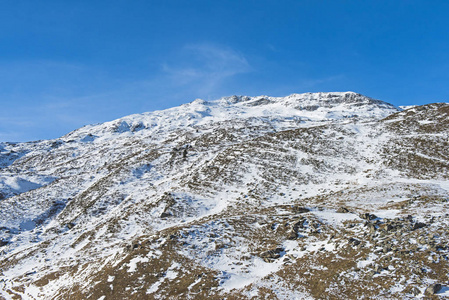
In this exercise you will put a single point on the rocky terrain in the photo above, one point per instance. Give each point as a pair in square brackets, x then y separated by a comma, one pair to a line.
[309, 196]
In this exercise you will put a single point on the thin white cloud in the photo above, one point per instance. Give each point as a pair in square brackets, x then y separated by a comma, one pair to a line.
[221, 60]
[205, 67]
[319, 82]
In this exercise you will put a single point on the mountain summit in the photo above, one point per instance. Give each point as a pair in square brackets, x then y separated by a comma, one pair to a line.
[309, 196]
[287, 111]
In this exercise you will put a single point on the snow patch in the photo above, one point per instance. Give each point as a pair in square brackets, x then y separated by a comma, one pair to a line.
[133, 263]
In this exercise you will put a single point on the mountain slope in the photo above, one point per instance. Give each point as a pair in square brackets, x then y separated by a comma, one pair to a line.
[240, 197]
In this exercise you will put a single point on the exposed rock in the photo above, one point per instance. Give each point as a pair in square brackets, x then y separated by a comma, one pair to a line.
[343, 210]
[433, 289]
[371, 227]
[272, 253]
[378, 268]
[292, 235]
[299, 210]
[354, 241]
[298, 225]
[368, 216]
[315, 225]
[418, 225]
[166, 214]
[412, 290]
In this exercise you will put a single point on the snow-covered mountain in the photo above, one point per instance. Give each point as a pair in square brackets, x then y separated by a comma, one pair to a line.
[317, 195]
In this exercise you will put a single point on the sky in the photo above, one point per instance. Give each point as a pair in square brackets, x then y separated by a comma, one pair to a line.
[66, 64]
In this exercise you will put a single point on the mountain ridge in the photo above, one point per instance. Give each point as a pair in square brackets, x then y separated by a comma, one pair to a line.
[200, 111]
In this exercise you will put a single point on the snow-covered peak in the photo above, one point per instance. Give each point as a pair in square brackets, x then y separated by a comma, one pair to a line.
[332, 101]
[329, 99]
[312, 107]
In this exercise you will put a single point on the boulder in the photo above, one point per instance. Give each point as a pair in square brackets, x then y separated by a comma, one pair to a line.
[292, 235]
[418, 225]
[354, 241]
[272, 253]
[297, 225]
[433, 289]
[371, 227]
[368, 216]
[166, 214]
[343, 210]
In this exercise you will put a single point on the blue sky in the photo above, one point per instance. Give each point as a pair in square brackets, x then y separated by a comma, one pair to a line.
[65, 64]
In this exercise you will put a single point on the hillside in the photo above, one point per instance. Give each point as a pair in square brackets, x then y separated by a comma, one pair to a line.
[309, 196]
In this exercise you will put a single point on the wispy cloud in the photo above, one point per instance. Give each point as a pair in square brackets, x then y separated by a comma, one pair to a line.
[205, 67]
[321, 82]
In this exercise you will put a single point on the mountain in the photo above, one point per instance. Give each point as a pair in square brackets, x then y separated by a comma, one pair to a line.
[309, 196]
